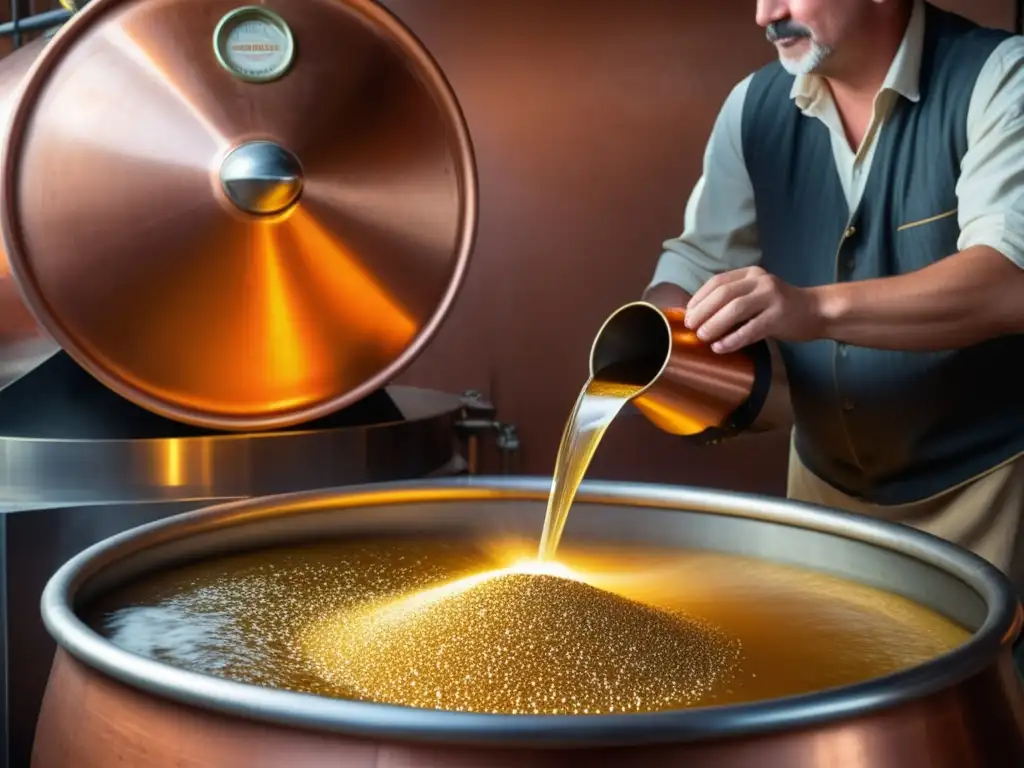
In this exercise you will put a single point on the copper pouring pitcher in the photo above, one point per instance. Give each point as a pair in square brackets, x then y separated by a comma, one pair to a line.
[689, 390]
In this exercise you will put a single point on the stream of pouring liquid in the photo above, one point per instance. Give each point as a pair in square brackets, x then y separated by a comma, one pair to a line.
[599, 402]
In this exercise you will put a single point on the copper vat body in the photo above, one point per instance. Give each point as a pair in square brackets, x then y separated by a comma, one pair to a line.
[689, 390]
[964, 709]
[231, 236]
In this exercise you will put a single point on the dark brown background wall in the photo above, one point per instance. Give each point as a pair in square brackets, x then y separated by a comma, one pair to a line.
[589, 120]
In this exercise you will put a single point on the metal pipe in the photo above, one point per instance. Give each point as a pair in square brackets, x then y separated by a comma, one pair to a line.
[508, 447]
[34, 23]
[15, 18]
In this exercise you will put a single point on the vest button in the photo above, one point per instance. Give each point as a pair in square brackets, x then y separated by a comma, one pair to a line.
[848, 404]
[850, 232]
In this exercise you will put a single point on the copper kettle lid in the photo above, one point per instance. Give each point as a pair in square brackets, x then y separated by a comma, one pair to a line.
[241, 217]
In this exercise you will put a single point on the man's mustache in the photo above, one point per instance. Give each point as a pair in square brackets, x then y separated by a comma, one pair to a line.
[786, 29]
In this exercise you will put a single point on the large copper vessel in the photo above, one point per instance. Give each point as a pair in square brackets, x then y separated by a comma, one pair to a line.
[105, 706]
[240, 217]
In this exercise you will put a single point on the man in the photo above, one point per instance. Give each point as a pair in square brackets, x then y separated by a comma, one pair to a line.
[861, 204]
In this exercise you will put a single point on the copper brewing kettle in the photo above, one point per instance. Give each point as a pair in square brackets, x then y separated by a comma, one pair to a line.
[237, 216]
[689, 390]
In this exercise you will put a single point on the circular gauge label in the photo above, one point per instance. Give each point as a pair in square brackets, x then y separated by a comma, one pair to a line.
[254, 44]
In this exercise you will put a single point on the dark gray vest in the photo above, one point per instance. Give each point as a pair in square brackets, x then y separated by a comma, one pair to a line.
[888, 427]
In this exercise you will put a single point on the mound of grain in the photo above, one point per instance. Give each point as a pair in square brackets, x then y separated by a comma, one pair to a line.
[524, 644]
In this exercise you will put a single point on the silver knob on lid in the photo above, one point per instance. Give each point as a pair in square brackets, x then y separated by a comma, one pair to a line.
[261, 177]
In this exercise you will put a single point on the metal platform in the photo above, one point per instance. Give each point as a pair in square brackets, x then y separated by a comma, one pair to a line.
[64, 438]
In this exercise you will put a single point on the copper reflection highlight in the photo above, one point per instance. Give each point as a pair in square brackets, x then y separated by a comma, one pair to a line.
[180, 463]
[125, 248]
[360, 301]
[688, 388]
[293, 356]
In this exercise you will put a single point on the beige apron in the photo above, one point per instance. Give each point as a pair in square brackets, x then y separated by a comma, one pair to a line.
[982, 515]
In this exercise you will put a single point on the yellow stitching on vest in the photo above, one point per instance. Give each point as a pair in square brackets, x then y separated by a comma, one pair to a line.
[929, 220]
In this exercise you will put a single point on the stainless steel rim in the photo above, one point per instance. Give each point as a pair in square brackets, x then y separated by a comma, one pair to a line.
[54, 470]
[1001, 625]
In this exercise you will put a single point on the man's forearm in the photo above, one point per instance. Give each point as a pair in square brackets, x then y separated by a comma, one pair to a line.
[967, 298]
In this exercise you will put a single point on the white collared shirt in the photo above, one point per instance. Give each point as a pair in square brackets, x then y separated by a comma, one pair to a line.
[720, 226]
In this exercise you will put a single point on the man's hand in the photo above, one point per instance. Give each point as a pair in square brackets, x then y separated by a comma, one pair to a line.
[738, 308]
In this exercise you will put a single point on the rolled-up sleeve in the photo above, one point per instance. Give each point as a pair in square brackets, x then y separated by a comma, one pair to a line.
[990, 191]
[720, 223]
